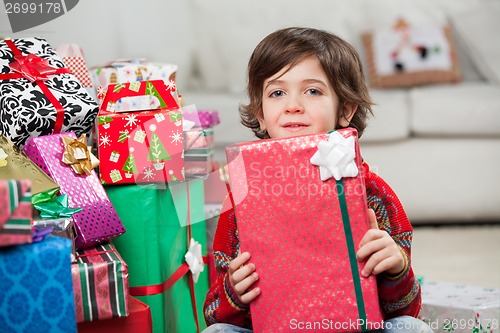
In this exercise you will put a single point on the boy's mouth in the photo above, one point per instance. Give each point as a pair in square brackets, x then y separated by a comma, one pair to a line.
[294, 126]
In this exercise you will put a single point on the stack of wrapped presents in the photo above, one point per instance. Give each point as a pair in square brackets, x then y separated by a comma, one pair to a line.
[102, 224]
[110, 197]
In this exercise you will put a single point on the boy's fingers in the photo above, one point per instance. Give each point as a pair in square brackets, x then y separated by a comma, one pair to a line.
[237, 262]
[250, 296]
[246, 283]
[243, 273]
[372, 218]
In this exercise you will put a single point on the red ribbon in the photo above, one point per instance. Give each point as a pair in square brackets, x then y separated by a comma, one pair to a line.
[37, 70]
[93, 254]
[176, 276]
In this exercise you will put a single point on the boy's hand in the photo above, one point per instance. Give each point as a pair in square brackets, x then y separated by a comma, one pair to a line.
[379, 251]
[242, 277]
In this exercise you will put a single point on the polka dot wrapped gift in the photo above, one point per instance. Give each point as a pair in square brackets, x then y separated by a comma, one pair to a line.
[98, 221]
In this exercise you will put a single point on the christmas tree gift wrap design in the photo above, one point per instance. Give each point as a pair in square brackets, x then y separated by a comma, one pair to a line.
[16, 212]
[302, 226]
[98, 221]
[155, 248]
[17, 165]
[100, 283]
[36, 288]
[145, 146]
[122, 71]
[459, 308]
[38, 95]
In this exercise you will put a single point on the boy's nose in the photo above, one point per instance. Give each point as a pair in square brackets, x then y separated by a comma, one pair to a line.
[294, 106]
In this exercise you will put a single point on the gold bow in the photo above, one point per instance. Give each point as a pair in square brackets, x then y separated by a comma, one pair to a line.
[79, 155]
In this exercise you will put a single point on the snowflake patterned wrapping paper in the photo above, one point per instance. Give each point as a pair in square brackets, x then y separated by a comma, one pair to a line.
[100, 284]
[140, 146]
[38, 96]
[459, 308]
[98, 221]
[155, 245]
[16, 212]
[36, 290]
[302, 234]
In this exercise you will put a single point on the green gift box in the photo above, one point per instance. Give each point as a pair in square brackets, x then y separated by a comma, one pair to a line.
[155, 246]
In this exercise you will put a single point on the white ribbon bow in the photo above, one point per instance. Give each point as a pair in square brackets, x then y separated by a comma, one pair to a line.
[194, 259]
[335, 157]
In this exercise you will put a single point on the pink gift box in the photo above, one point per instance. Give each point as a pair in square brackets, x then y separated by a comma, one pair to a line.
[302, 232]
[98, 221]
[203, 118]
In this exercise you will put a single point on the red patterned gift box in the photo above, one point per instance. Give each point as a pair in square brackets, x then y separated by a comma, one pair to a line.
[16, 212]
[72, 55]
[140, 134]
[39, 96]
[100, 283]
[98, 221]
[138, 321]
[302, 232]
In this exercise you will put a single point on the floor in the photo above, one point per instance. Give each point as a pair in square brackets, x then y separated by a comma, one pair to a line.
[460, 254]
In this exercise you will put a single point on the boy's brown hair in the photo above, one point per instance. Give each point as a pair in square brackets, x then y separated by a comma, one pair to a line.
[287, 47]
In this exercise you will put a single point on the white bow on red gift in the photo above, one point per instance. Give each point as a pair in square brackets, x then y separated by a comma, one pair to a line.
[335, 157]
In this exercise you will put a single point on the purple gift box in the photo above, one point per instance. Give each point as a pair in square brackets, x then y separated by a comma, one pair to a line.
[98, 221]
[203, 118]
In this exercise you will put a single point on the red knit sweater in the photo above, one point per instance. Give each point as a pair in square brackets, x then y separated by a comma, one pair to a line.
[397, 297]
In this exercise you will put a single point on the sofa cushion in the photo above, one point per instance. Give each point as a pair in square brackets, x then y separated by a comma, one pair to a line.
[436, 179]
[477, 27]
[391, 116]
[470, 108]
[406, 56]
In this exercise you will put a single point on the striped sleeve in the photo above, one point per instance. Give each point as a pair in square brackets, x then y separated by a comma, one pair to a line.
[222, 305]
[400, 295]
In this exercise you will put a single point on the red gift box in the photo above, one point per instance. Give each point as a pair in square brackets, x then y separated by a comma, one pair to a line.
[215, 184]
[144, 146]
[138, 321]
[302, 233]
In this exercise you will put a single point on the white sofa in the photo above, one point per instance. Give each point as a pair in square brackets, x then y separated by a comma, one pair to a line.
[438, 146]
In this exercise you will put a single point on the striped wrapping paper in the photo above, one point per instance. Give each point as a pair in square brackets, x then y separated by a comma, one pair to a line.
[100, 282]
[15, 212]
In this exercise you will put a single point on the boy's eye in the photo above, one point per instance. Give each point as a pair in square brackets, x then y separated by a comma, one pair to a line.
[276, 93]
[313, 91]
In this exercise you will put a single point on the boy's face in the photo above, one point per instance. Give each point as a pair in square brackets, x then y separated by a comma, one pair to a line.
[300, 101]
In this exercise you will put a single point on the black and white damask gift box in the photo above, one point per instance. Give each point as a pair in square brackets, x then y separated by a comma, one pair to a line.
[38, 95]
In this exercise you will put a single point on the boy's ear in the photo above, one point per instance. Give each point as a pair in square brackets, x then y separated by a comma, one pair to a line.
[348, 111]
[262, 123]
